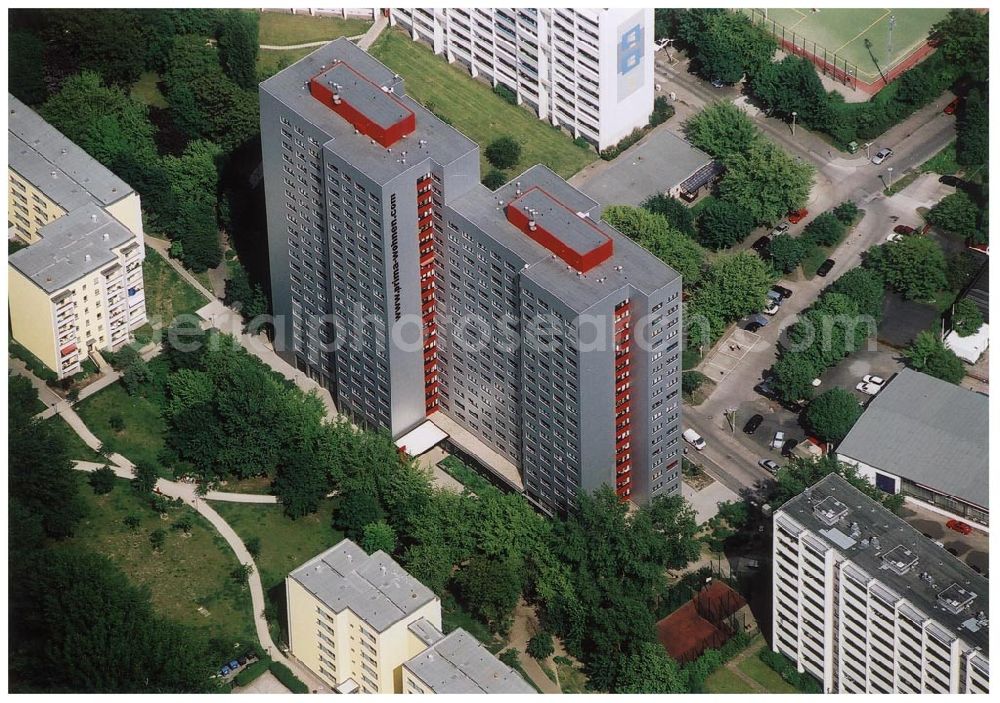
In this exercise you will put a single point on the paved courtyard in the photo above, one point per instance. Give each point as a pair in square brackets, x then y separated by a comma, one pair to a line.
[706, 501]
[265, 683]
[729, 353]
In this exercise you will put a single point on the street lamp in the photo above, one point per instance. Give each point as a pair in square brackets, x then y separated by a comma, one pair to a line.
[890, 176]
[868, 153]
[794, 115]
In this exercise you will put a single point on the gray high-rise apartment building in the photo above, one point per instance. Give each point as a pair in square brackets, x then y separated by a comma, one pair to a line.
[514, 317]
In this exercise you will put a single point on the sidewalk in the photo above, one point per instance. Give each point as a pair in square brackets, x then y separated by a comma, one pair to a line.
[369, 37]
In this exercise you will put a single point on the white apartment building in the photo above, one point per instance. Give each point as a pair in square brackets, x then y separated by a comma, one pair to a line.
[867, 604]
[587, 70]
[364, 625]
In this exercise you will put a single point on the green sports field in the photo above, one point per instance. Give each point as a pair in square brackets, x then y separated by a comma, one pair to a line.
[843, 32]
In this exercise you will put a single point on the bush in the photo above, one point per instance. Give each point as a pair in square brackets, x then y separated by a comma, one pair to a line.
[711, 659]
[510, 658]
[503, 152]
[582, 143]
[252, 672]
[786, 669]
[540, 646]
[846, 212]
[691, 381]
[102, 480]
[786, 252]
[613, 151]
[826, 230]
[506, 93]
[662, 111]
[287, 678]
[494, 179]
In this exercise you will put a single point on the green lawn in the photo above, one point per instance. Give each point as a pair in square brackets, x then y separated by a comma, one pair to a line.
[143, 436]
[78, 450]
[147, 90]
[767, 677]
[284, 29]
[472, 107]
[167, 294]
[189, 580]
[943, 163]
[284, 543]
[812, 261]
[270, 61]
[571, 677]
[722, 680]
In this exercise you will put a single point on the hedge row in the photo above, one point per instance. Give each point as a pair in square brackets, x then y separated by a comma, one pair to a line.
[252, 672]
[786, 669]
[702, 667]
[662, 111]
[287, 678]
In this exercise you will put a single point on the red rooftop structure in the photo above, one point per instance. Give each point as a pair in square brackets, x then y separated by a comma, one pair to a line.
[372, 109]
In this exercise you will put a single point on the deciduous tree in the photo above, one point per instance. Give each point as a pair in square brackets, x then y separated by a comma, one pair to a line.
[238, 46]
[832, 414]
[503, 153]
[928, 354]
[723, 224]
[765, 181]
[966, 318]
[722, 129]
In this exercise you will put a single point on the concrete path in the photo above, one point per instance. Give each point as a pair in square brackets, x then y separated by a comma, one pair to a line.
[369, 37]
[525, 626]
[162, 247]
[187, 493]
[45, 394]
[242, 497]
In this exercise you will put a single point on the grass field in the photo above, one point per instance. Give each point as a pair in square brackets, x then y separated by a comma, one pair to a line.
[167, 294]
[284, 29]
[147, 90]
[767, 677]
[189, 579]
[472, 107]
[284, 543]
[143, 436]
[843, 32]
[722, 680]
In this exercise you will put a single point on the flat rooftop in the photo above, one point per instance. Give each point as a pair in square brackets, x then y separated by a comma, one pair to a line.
[570, 235]
[658, 163]
[459, 663]
[375, 588]
[933, 570]
[46, 158]
[928, 431]
[431, 139]
[70, 247]
[376, 104]
[629, 263]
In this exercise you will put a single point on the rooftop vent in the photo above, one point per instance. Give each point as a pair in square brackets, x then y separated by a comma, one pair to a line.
[855, 530]
[93, 218]
[830, 511]
[876, 545]
[86, 257]
[105, 237]
[899, 559]
[955, 599]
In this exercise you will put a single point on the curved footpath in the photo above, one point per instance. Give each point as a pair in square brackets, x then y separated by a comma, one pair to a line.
[186, 492]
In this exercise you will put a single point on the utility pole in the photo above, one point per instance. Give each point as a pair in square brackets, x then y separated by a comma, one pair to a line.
[868, 153]
[794, 115]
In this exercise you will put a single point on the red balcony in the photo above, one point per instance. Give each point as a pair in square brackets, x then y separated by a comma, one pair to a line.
[426, 259]
[69, 349]
[622, 444]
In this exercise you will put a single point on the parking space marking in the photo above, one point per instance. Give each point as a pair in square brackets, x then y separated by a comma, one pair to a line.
[730, 352]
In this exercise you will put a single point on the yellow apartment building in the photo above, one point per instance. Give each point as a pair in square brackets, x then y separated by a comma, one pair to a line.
[363, 624]
[78, 285]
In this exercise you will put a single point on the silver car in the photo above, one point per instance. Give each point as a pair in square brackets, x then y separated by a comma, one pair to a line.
[881, 155]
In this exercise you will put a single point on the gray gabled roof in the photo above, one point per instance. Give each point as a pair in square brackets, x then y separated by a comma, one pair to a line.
[459, 663]
[375, 588]
[928, 431]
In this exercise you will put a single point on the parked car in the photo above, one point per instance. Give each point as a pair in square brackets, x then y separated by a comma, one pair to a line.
[877, 380]
[959, 526]
[769, 465]
[789, 445]
[761, 320]
[752, 326]
[796, 216]
[717, 83]
[952, 181]
[778, 440]
[764, 388]
[868, 388]
[785, 292]
[825, 267]
[894, 237]
[950, 108]
[694, 439]
[224, 671]
[817, 382]
[881, 155]
[780, 229]
[753, 423]
[904, 229]
[762, 245]
[772, 307]
[775, 296]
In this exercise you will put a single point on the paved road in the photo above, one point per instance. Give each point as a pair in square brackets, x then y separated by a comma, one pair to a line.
[839, 177]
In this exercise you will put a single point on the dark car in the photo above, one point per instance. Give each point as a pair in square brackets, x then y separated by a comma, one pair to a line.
[825, 267]
[950, 181]
[903, 229]
[788, 446]
[761, 245]
[752, 326]
[753, 423]
[785, 292]
[765, 390]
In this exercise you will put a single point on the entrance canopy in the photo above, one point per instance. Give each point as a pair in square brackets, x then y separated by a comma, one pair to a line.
[420, 439]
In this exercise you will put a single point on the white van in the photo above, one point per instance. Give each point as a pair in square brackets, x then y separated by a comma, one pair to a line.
[694, 439]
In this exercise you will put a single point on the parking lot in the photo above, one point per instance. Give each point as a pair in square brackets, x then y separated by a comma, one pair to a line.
[884, 362]
[973, 548]
[729, 353]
